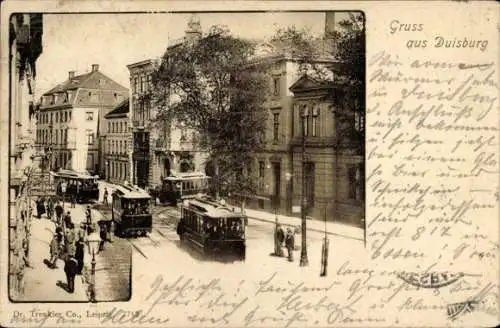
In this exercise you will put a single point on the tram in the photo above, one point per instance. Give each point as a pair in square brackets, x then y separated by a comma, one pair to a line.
[131, 211]
[176, 187]
[80, 186]
[211, 227]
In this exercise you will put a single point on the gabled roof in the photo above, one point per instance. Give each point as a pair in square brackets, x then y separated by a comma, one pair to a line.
[307, 82]
[91, 80]
[121, 110]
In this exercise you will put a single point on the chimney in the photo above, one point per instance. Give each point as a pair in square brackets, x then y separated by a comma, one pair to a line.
[95, 67]
[193, 31]
[71, 74]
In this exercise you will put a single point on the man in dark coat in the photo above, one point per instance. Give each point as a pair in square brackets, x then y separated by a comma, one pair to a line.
[79, 254]
[67, 219]
[280, 238]
[40, 208]
[70, 268]
[103, 234]
[290, 243]
[59, 212]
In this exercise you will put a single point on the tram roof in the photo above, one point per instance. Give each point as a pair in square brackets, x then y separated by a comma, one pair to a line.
[214, 210]
[187, 176]
[74, 174]
[132, 193]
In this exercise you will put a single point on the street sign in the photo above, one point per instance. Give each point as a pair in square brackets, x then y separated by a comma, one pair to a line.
[42, 185]
[295, 209]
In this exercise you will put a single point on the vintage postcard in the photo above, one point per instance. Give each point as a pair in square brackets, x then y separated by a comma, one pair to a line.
[249, 164]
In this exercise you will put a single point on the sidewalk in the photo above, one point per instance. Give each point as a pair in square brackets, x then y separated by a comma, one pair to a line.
[332, 228]
[41, 282]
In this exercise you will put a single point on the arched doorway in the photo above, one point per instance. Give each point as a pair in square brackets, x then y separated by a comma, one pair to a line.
[210, 169]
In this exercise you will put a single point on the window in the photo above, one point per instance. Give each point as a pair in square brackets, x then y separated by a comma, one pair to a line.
[143, 84]
[355, 175]
[261, 174]
[57, 117]
[150, 82]
[276, 86]
[276, 126]
[305, 120]
[315, 125]
[359, 121]
[125, 127]
[89, 116]
[69, 116]
[51, 118]
[121, 127]
[109, 127]
[136, 85]
[90, 137]
[65, 116]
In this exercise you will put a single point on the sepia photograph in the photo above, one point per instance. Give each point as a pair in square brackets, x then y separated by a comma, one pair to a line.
[249, 164]
[233, 144]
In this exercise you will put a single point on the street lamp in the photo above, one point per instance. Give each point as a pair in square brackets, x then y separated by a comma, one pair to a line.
[93, 243]
[303, 251]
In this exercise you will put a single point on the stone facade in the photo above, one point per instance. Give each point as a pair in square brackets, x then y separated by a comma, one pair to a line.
[159, 147]
[25, 42]
[71, 117]
[115, 144]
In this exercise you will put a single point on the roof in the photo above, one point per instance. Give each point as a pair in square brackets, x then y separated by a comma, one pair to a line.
[141, 63]
[120, 111]
[187, 175]
[91, 80]
[213, 209]
[307, 82]
[132, 192]
[73, 174]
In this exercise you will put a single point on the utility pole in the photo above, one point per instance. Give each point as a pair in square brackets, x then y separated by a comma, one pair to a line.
[303, 250]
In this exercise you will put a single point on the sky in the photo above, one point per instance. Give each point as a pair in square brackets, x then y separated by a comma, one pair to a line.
[73, 42]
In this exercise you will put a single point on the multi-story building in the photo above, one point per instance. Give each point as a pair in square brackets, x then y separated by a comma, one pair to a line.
[160, 147]
[327, 172]
[71, 116]
[115, 143]
[333, 181]
[25, 42]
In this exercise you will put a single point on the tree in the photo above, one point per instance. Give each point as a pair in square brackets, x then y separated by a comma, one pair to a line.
[211, 85]
[344, 48]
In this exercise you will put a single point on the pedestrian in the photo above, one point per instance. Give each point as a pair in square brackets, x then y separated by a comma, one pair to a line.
[50, 209]
[105, 199]
[59, 212]
[40, 208]
[73, 201]
[91, 237]
[88, 214]
[55, 250]
[290, 243]
[67, 220]
[280, 238]
[70, 268]
[79, 254]
[103, 234]
[70, 238]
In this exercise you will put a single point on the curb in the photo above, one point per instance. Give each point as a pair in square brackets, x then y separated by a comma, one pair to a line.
[310, 229]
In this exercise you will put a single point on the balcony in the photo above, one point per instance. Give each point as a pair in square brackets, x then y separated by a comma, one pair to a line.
[139, 124]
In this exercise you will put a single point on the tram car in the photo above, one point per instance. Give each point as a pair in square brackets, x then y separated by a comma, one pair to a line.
[131, 211]
[175, 188]
[211, 227]
[82, 187]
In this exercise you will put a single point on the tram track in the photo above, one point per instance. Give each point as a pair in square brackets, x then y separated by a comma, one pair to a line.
[159, 228]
